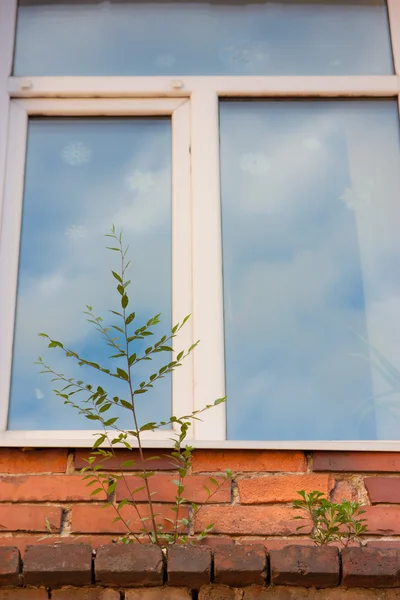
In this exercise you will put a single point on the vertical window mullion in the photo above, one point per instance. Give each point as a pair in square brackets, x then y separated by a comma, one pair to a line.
[9, 247]
[209, 380]
[394, 20]
[181, 257]
[8, 12]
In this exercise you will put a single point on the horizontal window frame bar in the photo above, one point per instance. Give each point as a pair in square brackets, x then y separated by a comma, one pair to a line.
[161, 439]
[223, 86]
[99, 107]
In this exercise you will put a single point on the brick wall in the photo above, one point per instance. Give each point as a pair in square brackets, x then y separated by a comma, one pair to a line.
[36, 485]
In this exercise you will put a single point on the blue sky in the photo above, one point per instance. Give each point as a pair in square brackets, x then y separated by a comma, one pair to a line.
[309, 204]
[82, 175]
[242, 38]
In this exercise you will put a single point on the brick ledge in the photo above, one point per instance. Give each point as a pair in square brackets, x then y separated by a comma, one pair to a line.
[248, 568]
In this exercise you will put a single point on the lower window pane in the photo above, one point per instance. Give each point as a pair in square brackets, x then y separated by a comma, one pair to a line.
[82, 176]
[311, 251]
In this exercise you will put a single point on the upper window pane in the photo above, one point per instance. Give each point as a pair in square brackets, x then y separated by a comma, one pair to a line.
[311, 252]
[290, 37]
[82, 175]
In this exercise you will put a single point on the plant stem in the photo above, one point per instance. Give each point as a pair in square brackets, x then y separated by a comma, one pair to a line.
[141, 454]
[133, 501]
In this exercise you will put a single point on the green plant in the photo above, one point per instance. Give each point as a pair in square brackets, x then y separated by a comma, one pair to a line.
[331, 522]
[96, 403]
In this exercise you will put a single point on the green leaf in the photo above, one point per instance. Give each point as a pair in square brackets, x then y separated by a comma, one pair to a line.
[122, 374]
[124, 301]
[99, 440]
[105, 407]
[111, 487]
[130, 318]
[132, 359]
[128, 463]
[118, 329]
[117, 277]
[126, 404]
[110, 422]
[54, 344]
[220, 401]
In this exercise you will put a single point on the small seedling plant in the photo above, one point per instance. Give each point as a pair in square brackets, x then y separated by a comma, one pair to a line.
[96, 403]
[331, 522]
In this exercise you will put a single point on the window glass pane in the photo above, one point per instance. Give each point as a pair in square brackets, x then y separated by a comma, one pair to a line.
[309, 37]
[82, 175]
[310, 214]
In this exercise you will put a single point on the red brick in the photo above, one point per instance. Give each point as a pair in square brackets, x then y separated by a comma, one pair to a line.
[371, 567]
[29, 517]
[383, 489]
[304, 566]
[189, 566]
[281, 543]
[15, 461]
[383, 520]
[85, 594]
[248, 461]
[281, 592]
[219, 592]
[344, 490]
[249, 520]
[129, 565]
[10, 566]
[383, 544]
[22, 594]
[58, 565]
[213, 541]
[162, 463]
[258, 592]
[166, 593]
[46, 488]
[281, 488]
[274, 543]
[357, 461]
[93, 519]
[240, 565]
[22, 541]
[165, 491]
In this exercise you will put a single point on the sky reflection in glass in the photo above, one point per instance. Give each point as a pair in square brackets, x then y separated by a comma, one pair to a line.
[317, 37]
[310, 212]
[82, 175]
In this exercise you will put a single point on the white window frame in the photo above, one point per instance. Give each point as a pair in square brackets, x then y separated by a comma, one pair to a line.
[19, 113]
[193, 102]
